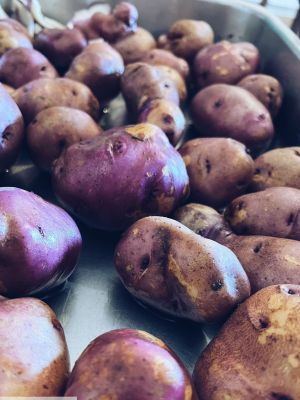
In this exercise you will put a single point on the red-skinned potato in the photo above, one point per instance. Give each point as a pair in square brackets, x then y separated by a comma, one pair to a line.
[212, 182]
[12, 35]
[225, 62]
[255, 355]
[60, 46]
[140, 174]
[40, 244]
[53, 129]
[266, 89]
[33, 351]
[230, 111]
[166, 265]
[20, 65]
[271, 212]
[99, 67]
[44, 93]
[129, 364]
[11, 130]
[186, 37]
[277, 167]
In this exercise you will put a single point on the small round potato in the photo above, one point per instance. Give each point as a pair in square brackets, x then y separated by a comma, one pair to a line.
[44, 93]
[213, 182]
[135, 46]
[186, 37]
[12, 35]
[53, 129]
[225, 62]
[129, 364]
[231, 111]
[255, 355]
[266, 89]
[169, 267]
[21, 65]
[60, 46]
[278, 167]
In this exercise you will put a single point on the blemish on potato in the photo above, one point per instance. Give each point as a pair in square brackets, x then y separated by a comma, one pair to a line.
[135, 231]
[188, 392]
[293, 360]
[175, 269]
[140, 131]
[187, 160]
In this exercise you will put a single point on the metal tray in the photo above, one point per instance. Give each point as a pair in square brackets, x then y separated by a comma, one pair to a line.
[93, 300]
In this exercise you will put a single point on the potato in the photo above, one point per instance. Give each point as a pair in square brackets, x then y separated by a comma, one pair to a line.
[135, 46]
[186, 37]
[140, 174]
[40, 244]
[60, 46]
[20, 65]
[99, 67]
[164, 57]
[53, 129]
[230, 111]
[167, 266]
[11, 130]
[12, 35]
[167, 116]
[33, 351]
[278, 167]
[266, 89]
[15, 25]
[255, 355]
[271, 212]
[211, 181]
[44, 93]
[129, 364]
[171, 73]
[225, 62]
[10, 90]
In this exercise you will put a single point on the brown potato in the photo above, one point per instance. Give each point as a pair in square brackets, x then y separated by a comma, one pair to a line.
[213, 182]
[170, 268]
[271, 212]
[33, 351]
[186, 37]
[53, 129]
[231, 111]
[135, 46]
[12, 35]
[278, 167]
[99, 67]
[255, 355]
[266, 89]
[43, 93]
[21, 65]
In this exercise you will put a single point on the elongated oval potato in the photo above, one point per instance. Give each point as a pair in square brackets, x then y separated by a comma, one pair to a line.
[255, 355]
[278, 167]
[43, 93]
[167, 266]
[272, 212]
[33, 351]
[129, 364]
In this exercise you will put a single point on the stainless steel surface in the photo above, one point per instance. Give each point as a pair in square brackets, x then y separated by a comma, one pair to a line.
[94, 301]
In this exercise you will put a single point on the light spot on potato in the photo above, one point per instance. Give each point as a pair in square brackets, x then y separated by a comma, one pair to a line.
[175, 269]
[141, 131]
[292, 260]
[219, 55]
[187, 160]
[293, 360]
[135, 231]
[244, 67]
[149, 174]
[188, 392]
[238, 216]
[222, 71]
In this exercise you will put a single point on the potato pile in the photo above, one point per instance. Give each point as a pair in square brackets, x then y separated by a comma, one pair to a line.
[210, 225]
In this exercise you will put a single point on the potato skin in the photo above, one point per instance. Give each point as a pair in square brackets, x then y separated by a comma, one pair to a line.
[28, 327]
[258, 344]
[213, 183]
[170, 268]
[43, 93]
[21, 65]
[60, 46]
[186, 37]
[135, 46]
[40, 244]
[12, 35]
[53, 129]
[129, 364]
[278, 167]
[266, 89]
[140, 174]
[271, 212]
[230, 111]
[225, 62]
[11, 130]
[99, 67]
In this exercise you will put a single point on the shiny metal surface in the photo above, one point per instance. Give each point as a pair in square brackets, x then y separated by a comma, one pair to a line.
[94, 301]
